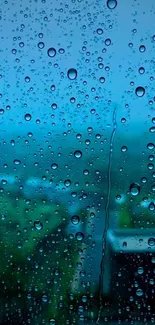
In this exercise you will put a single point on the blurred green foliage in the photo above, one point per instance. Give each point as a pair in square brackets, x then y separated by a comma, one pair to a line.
[38, 261]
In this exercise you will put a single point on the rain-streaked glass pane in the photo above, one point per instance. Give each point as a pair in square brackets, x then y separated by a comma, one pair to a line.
[77, 146]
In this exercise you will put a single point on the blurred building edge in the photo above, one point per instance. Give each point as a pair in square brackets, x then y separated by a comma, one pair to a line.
[124, 244]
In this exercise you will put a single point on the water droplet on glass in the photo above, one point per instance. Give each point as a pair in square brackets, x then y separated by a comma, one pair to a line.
[99, 31]
[44, 298]
[141, 70]
[142, 48]
[140, 91]
[41, 45]
[102, 80]
[54, 166]
[134, 189]
[72, 74]
[151, 241]
[27, 117]
[151, 206]
[17, 162]
[27, 79]
[51, 52]
[67, 182]
[111, 4]
[75, 220]
[78, 154]
[38, 225]
[79, 236]
[140, 270]
[150, 146]
[139, 292]
[124, 149]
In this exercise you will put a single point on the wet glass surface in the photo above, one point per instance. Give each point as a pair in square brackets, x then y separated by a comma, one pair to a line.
[77, 178]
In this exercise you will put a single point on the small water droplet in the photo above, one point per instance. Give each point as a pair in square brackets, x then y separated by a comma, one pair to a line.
[140, 91]
[44, 298]
[54, 166]
[27, 117]
[111, 4]
[41, 45]
[51, 52]
[134, 189]
[99, 31]
[72, 74]
[140, 270]
[79, 236]
[67, 182]
[27, 79]
[151, 241]
[75, 220]
[142, 48]
[150, 146]
[124, 149]
[139, 292]
[17, 162]
[78, 154]
[38, 225]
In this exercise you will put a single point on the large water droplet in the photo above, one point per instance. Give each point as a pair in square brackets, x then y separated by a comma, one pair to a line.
[38, 225]
[27, 117]
[79, 236]
[111, 4]
[140, 270]
[78, 154]
[75, 220]
[51, 52]
[140, 91]
[139, 292]
[151, 241]
[72, 74]
[134, 189]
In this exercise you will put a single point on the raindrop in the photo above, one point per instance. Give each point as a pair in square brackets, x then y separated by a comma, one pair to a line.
[44, 298]
[134, 189]
[52, 321]
[27, 79]
[17, 162]
[41, 45]
[151, 241]
[151, 206]
[142, 48]
[99, 31]
[111, 4]
[51, 52]
[107, 41]
[75, 220]
[150, 146]
[27, 117]
[140, 270]
[139, 292]
[79, 236]
[124, 149]
[72, 74]
[102, 80]
[67, 182]
[140, 91]
[38, 225]
[141, 70]
[78, 154]
[123, 120]
[54, 166]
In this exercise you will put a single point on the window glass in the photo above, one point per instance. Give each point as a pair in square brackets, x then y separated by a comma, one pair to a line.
[77, 146]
